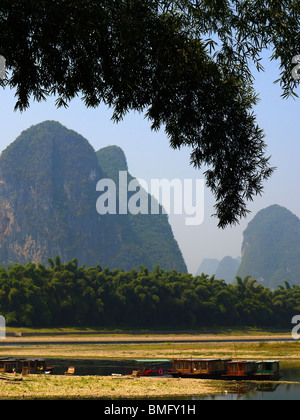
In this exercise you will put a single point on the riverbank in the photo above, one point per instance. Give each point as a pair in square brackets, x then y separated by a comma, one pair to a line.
[81, 332]
[255, 351]
[241, 345]
[122, 345]
[96, 387]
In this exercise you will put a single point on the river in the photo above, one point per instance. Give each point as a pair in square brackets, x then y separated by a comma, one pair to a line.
[235, 390]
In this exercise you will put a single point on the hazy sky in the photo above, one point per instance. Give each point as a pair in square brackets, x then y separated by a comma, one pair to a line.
[149, 156]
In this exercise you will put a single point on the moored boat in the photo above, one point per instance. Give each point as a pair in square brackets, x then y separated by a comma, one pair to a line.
[240, 370]
[267, 370]
[19, 365]
[150, 367]
[199, 368]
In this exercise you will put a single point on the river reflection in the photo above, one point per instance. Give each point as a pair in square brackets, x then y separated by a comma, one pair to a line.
[272, 391]
[256, 392]
[103, 367]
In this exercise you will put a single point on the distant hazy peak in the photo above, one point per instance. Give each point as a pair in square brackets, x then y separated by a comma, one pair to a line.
[273, 211]
[271, 247]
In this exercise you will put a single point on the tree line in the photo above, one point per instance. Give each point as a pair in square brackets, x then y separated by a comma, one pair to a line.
[34, 295]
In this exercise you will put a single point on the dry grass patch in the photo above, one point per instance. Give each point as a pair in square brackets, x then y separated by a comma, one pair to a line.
[249, 350]
[88, 387]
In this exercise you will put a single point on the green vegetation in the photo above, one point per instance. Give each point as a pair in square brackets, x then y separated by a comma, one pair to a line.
[144, 238]
[187, 65]
[271, 249]
[48, 180]
[66, 294]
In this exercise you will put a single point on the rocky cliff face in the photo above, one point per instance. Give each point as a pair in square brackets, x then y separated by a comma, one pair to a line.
[271, 247]
[48, 197]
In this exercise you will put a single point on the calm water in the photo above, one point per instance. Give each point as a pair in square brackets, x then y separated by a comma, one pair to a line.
[267, 391]
[101, 367]
[256, 392]
[235, 391]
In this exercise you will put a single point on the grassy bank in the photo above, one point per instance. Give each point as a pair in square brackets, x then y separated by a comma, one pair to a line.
[169, 346]
[88, 387]
[160, 351]
[218, 331]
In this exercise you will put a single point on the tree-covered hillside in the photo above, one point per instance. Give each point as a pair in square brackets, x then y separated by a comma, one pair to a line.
[271, 248]
[48, 179]
[149, 235]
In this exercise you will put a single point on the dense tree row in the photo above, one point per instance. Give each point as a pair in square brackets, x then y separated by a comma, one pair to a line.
[65, 294]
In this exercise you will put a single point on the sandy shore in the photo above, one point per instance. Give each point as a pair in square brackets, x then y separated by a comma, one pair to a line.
[91, 338]
[125, 346]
